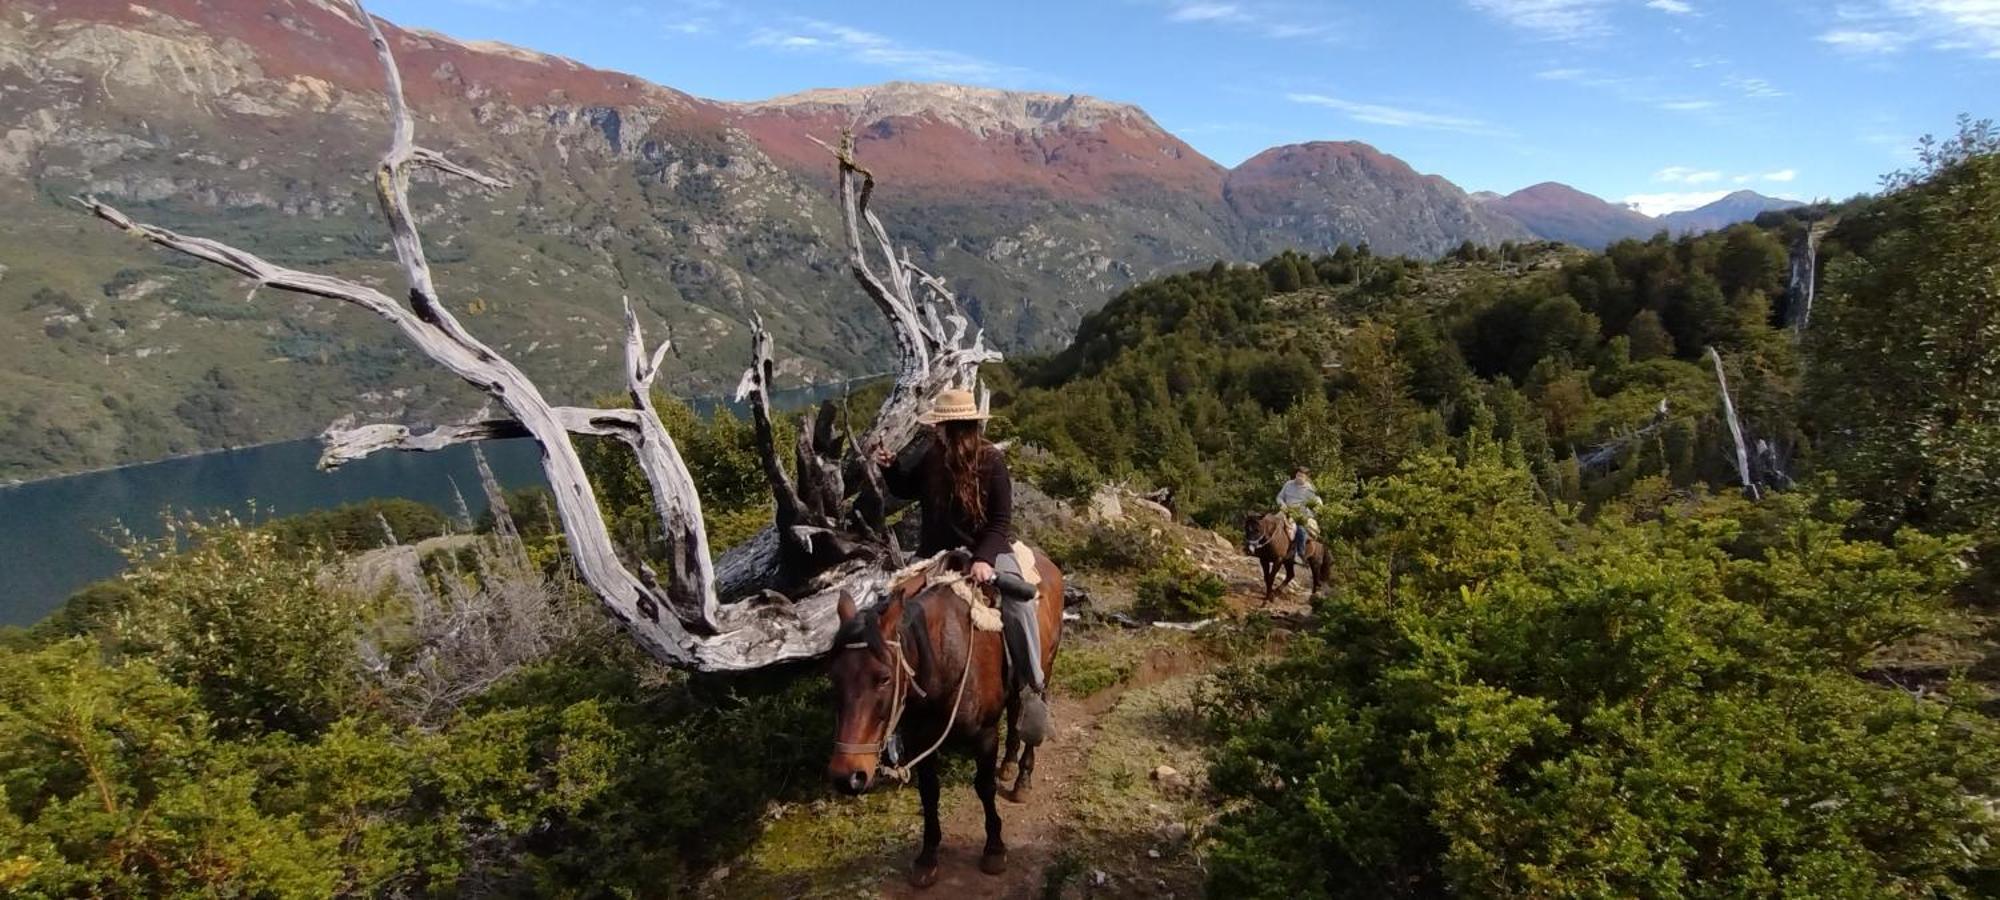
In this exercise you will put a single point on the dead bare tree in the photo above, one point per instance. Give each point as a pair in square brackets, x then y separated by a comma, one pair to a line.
[768, 600]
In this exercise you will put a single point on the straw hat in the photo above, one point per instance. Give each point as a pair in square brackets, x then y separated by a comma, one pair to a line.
[953, 406]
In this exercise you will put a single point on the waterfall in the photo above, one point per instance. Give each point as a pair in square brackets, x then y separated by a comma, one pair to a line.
[1735, 428]
[1805, 269]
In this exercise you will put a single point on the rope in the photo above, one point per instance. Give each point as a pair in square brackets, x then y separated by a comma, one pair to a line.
[902, 771]
[904, 684]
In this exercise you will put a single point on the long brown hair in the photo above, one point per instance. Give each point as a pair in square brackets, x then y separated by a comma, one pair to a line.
[964, 449]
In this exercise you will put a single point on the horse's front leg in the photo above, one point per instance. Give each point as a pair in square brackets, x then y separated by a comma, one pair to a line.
[1008, 761]
[994, 860]
[1024, 782]
[1270, 577]
[923, 872]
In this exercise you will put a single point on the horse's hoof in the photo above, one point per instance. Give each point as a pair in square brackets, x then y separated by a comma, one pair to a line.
[1018, 793]
[922, 876]
[993, 862]
[1008, 771]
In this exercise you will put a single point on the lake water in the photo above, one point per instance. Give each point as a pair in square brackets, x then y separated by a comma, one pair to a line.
[54, 533]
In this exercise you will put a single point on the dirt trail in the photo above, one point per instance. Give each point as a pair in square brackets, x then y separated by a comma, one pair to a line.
[1033, 830]
[1096, 825]
[1039, 831]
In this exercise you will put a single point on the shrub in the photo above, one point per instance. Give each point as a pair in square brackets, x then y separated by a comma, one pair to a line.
[115, 785]
[1067, 478]
[1175, 590]
[1119, 547]
[1644, 713]
[243, 622]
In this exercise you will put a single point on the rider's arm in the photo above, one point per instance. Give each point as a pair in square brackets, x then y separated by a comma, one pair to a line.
[903, 475]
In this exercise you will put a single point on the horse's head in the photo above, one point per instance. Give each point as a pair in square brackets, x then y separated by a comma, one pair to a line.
[868, 677]
[1255, 534]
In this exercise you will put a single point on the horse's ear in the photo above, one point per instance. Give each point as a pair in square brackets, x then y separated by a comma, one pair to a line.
[846, 608]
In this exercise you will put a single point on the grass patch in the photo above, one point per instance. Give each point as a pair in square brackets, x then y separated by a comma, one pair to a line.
[829, 847]
[1089, 667]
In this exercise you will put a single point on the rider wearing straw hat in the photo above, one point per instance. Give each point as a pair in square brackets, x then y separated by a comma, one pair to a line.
[962, 482]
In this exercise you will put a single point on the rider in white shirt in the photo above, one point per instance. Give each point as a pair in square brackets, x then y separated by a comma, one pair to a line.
[1297, 499]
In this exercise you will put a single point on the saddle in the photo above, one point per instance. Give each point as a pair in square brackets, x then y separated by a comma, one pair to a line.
[951, 569]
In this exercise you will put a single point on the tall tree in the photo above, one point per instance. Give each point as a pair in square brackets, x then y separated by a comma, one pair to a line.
[1905, 360]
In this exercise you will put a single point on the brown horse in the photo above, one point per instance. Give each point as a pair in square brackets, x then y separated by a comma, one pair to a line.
[1268, 536]
[917, 663]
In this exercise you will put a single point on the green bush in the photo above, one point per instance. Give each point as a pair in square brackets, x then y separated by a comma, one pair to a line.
[1067, 478]
[1120, 547]
[1646, 712]
[1175, 590]
[115, 784]
[358, 526]
[245, 622]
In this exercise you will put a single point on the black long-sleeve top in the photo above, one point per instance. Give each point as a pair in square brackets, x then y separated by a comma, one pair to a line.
[945, 526]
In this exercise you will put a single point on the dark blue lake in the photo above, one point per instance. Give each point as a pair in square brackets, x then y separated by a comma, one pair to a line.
[55, 533]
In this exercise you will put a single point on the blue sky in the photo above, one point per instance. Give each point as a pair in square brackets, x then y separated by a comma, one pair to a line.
[1665, 103]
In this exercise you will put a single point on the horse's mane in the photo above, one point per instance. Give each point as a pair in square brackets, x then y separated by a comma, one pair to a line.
[865, 630]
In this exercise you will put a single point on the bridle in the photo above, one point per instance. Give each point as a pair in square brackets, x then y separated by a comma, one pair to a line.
[903, 679]
[1264, 536]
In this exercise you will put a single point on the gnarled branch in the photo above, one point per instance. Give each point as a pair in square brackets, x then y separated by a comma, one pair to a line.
[825, 542]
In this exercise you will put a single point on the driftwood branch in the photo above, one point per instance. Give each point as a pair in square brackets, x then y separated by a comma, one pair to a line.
[767, 600]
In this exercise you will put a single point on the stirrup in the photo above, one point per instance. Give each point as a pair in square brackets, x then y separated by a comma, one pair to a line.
[1034, 720]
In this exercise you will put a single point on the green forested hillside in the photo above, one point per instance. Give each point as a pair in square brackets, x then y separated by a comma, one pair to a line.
[1566, 655]
[1564, 652]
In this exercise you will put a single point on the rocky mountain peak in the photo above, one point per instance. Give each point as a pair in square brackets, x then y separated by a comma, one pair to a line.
[981, 110]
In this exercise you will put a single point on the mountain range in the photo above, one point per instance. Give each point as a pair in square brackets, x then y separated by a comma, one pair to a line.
[257, 121]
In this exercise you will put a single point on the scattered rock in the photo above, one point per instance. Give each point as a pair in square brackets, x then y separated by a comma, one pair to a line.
[1105, 505]
[1169, 778]
[1149, 506]
[1153, 853]
[1098, 878]
[1175, 832]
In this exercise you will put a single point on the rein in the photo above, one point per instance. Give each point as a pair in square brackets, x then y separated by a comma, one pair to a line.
[1264, 538]
[905, 682]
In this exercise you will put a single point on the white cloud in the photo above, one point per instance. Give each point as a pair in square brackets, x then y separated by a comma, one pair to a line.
[813, 35]
[1563, 20]
[1268, 21]
[1206, 12]
[1755, 88]
[1864, 42]
[1686, 175]
[1887, 27]
[1687, 105]
[1672, 201]
[1782, 175]
[1398, 117]
[1672, 7]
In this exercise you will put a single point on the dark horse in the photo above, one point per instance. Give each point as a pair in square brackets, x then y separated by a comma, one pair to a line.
[917, 663]
[1268, 536]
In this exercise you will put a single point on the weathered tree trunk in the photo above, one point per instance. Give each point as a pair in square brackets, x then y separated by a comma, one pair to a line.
[768, 600]
[1735, 428]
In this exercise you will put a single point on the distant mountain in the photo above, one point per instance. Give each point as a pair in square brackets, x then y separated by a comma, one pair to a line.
[1558, 212]
[257, 121]
[1741, 206]
[1317, 195]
